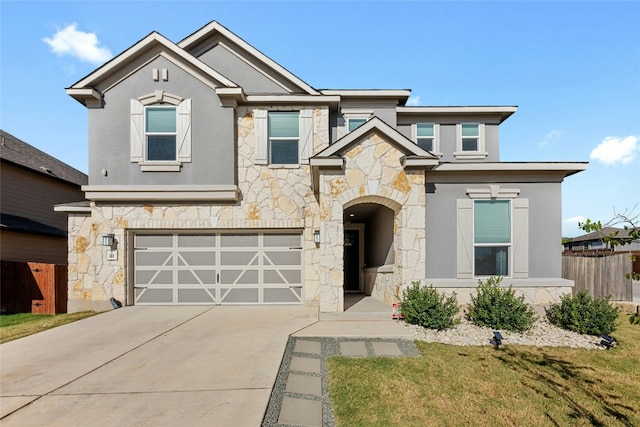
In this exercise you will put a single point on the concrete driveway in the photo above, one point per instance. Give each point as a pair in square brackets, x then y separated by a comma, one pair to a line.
[149, 366]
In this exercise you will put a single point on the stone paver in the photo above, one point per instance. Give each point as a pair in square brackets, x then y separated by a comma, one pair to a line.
[300, 396]
[353, 348]
[304, 384]
[301, 412]
[386, 348]
[306, 364]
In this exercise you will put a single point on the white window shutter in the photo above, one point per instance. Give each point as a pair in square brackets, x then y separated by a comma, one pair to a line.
[183, 130]
[137, 130]
[260, 136]
[305, 145]
[464, 239]
[520, 238]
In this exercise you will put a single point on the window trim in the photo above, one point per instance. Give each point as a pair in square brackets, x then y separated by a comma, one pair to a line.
[352, 113]
[480, 153]
[519, 223]
[137, 131]
[147, 134]
[290, 138]
[436, 136]
[509, 245]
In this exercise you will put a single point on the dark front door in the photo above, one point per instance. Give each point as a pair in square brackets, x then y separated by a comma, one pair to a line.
[351, 261]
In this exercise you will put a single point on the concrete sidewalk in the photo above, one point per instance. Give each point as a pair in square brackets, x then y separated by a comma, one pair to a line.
[143, 366]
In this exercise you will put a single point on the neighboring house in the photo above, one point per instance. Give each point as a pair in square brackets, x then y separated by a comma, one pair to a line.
[595, 241]
[226, 179]
[31, 183]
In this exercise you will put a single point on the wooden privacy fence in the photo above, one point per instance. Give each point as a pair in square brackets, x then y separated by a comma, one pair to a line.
[32, 287]
[601, 274]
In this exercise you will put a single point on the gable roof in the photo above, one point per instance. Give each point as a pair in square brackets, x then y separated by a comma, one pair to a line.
[600, 234]
[206, 37]
[83, 90]
[21, 154]
[375, 124]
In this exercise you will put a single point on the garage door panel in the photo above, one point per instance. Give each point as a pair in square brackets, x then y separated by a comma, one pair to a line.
[153, 258]
[154, 240]
[196, 241]
[197, 258]
[282, 258]
[240, 295]
[280, 295]
[195, 296]
[238, 240]
[218, 268]
[291, 277]
[238, 258]
[154, 296]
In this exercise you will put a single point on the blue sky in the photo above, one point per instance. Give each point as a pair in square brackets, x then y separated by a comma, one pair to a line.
[572, 68]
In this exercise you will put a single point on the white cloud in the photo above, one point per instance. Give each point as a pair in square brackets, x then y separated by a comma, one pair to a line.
[549, 136]
[84, 46]
[575, 220]
[613, 150]
[413, 101]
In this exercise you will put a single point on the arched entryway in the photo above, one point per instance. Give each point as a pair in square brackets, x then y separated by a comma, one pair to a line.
[368, 243]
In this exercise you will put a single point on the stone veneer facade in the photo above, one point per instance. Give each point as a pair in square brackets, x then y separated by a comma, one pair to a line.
[280, 198]
[272, 198]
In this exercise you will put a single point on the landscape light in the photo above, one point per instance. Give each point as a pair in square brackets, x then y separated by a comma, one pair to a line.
[607, 341]
[496, 341]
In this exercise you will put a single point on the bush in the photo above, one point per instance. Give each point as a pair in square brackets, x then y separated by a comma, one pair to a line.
[499, 308]
[424, 306]
[584, 314]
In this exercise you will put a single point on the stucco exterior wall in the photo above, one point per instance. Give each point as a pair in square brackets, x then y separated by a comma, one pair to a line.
[212, 128]
[544, 227]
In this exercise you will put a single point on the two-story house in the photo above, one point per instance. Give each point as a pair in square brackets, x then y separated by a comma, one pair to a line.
[225, 179]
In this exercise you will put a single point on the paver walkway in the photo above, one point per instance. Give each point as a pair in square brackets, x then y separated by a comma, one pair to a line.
[300, 396]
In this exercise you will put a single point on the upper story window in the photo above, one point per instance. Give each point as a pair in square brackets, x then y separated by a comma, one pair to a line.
[355, 123]
[470, 136]
[470, 141]
[491, 237]
[160, 133]
[426, 136]
[284, 137]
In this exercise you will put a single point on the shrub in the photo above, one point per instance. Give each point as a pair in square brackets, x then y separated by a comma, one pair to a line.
[584, 314]
[499, 308]
[426, 307]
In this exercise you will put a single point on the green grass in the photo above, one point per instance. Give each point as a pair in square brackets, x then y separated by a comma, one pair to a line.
[478, 386]
[14, 326]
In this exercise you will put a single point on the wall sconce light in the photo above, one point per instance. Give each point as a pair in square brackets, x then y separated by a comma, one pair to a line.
[107, 240]
[496, 341]
[316, 237]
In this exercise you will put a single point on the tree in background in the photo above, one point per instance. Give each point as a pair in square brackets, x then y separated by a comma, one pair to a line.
[629, 221]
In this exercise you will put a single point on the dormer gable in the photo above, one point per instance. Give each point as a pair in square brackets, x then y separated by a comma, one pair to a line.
[90, 90]
[332, 157]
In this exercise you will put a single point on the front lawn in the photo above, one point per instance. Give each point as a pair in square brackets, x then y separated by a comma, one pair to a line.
[14, 326]
[515, 385]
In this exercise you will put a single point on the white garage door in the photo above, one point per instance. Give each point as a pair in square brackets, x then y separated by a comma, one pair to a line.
[221, 268]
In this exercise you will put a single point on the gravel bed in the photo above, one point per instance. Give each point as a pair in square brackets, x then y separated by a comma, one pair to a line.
[542, 334]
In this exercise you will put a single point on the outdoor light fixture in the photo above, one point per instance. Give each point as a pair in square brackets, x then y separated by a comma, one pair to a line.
[607, 341]
[316, 237]
[107, 240]
[496, 341]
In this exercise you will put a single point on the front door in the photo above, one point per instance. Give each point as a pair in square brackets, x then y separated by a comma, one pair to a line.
[352, 261]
